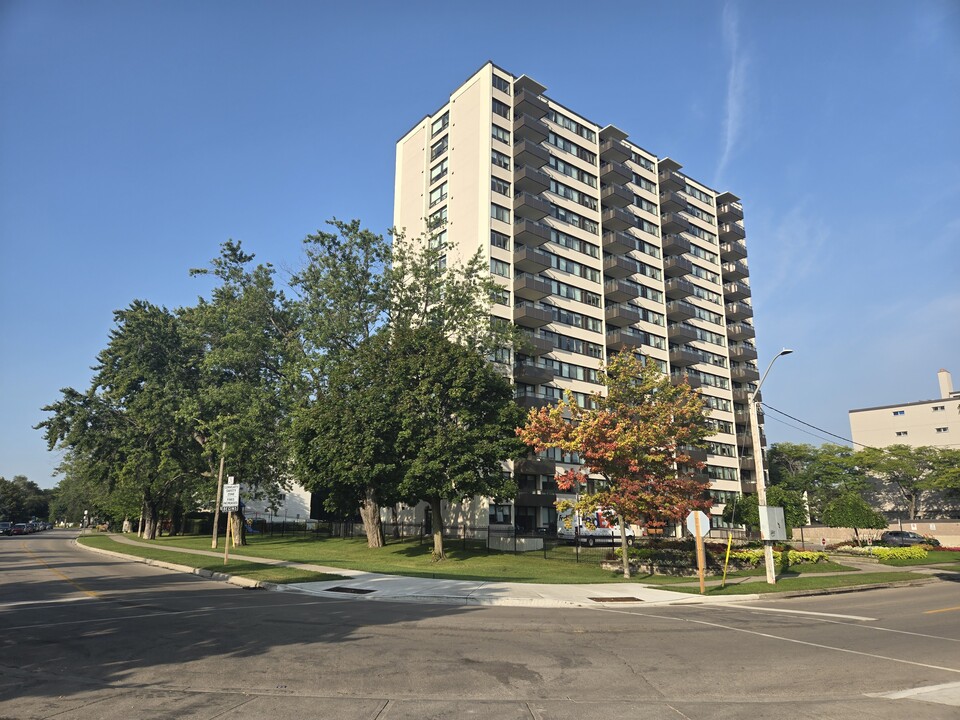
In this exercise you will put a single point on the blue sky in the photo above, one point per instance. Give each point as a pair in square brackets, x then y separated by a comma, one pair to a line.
[135, 137]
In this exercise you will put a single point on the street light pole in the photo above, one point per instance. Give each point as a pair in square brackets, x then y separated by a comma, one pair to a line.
[758, 465]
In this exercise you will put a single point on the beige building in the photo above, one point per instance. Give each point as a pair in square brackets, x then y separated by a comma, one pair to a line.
[599, 246]
[933, 423]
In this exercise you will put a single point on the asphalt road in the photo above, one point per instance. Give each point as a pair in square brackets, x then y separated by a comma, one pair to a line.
[84, 636]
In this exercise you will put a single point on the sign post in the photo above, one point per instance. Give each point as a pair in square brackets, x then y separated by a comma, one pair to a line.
[230, 504]
[698, 523]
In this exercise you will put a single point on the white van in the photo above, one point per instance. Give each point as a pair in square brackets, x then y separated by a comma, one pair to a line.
[592, 529]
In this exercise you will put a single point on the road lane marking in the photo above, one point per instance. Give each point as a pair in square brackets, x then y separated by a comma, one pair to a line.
[23, 603]
[950, 609]
[91, 593]
[771, 636]
[946, 694]
[803, 612]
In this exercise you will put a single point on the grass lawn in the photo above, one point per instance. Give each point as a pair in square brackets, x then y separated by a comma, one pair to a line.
[244, 568]
[410, 558]
[812, 582]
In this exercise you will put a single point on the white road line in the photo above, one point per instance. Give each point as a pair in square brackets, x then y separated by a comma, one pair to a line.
[946, 694]
[786, 639]
[798, 612]
[24, 603]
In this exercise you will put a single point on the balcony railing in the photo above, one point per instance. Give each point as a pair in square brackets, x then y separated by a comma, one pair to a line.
[677, 287]
[615, 151]
[531, 287]
[527, 152]
[528, 127]
[530, 232]
[529, 315]
[529, 259]
[621, 314]
[530, 206]
[617, 219]
[530, 179]
[529, 103]
[615, 173]
[615, 196]
[619, 291]
[617, 242]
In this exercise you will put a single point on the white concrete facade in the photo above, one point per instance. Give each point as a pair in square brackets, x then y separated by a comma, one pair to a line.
[600, 246]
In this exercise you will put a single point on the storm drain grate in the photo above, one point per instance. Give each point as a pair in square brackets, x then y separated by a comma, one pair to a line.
[615, 599]
[351, 591]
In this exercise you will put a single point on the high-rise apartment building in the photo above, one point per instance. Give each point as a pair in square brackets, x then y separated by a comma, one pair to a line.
[599, 246]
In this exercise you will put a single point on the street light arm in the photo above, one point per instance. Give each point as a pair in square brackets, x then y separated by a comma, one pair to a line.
[785, 351]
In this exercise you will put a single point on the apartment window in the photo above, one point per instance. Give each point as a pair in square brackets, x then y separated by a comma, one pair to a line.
[648, 227]
[568, 241]
[498, 212]
[438, 240]
[498, 239]
[438, 218]
[500, 296]
[500, 186]
[645, 204]
[565, 191]
[700, 214]
[705, 274]
[571, 125]
[642, 182]
[440, 124]
[439, 147]
[501, 84]
[571, 218]
[499, 267]
[574, 268]
[501, 160]
[698, 194]
[572, 171]
[708, 295]
[721, 473]
[501, 109]
[897, 413]
[699, 252]
[438, 194]
[642, 161]
[939, 408]
[572, 148]
[702, 234]
[438, 170]
[501, 134]
[901, 433]
[720, 426]
[574, 293]
[943, 430]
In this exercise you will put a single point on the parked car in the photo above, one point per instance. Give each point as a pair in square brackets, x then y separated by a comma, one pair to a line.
[20, 529]
[6, 528]
[903, 538]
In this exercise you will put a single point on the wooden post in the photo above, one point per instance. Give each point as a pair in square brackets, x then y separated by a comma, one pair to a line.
[701, 556]
[216, 505]
[226, 540]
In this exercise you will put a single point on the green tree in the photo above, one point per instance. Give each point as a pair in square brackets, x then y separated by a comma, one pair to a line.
[850, 510]
[243, 337]
[745, 511]
[832, 473]
[789, 465]
[913, 471]
[128, 426]
[457, 422]
[636, 438]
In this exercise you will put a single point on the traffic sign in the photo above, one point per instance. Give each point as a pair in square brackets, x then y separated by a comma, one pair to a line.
[704, 523]
[231, 498]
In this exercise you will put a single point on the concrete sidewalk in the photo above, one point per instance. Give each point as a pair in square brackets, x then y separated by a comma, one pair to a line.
[361, 585]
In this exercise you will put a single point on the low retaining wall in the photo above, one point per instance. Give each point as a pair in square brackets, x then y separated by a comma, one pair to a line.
[946, 531]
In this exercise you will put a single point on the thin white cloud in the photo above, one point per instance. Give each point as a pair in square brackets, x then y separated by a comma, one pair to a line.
[736, 88]
[793, 249]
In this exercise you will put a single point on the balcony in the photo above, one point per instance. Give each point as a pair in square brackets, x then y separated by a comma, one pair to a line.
[671, 201]
[733, 250]
[738, 311]
[530, 373]
[531, 499]
[529, 206]
[741, 372]
[527, 127]
[623, 339]
[679, 377]
[734, 271]
[530, 260]
[529, 315]
[747, 463]
[681, 333]
[674, 244]
[529, 179]
[618, 266]
[671, 180]
[534, 345]
[682, 357]
[744, 440]
[736, 291]
[696, 455]
[621, 315]
[618, 243]
[620, 291]
[615, 196]
[534, 465]
[741, 331]
[531, 287]
[732, 231]
[531, 233]
[530, 153]
[674, 223]
[617, 219]
[743, 353]
[678, 288]
[680, 310]
[615, 173]
[529, 103]
[742, 395]
[676, 266]
[730, 212]
[615, 151]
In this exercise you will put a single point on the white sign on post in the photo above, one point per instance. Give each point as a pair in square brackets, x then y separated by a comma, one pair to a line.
[773, 526]
[704, 523]
[231, 498]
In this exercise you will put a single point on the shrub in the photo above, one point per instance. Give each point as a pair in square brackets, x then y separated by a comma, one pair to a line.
[913, 552]
[794, 557]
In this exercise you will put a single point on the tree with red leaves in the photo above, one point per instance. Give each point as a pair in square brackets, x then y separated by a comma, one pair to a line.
[637, 438]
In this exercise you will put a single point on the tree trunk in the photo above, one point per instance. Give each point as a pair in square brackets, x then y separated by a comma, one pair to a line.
[437, 518]
[370, 515]
[396, 522]
[624, 547]
[216, 505]
[150, 519]
[239, 529]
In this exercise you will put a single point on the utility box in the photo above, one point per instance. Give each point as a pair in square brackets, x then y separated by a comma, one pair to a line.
[772, 523]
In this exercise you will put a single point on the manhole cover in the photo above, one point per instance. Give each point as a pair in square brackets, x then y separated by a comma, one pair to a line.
[615, 599]
[352, 591]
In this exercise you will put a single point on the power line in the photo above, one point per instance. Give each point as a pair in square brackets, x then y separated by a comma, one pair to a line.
[797, 427]
[839, 437]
